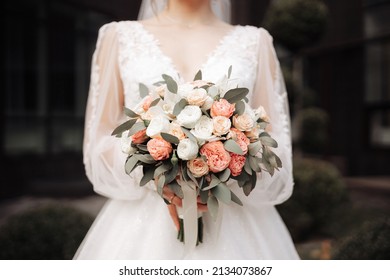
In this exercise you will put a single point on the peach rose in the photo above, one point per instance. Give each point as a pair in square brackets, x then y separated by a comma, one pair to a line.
[139, 137]
[240, 138]
[253, 134]
[175, 130]
[199, 83]
[243, 122]
[198, 167]
[197, 97]
[159, 149]
[221, 125]
[236, 164]
[146, 104]
[217, 157]
[222, 108]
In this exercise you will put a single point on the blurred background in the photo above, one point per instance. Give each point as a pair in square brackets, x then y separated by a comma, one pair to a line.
[335, 57]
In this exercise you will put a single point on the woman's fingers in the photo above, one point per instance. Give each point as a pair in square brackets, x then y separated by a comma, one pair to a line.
[174, 216]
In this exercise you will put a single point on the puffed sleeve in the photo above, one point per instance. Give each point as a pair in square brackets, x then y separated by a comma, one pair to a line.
[270, 92]
[102, 155]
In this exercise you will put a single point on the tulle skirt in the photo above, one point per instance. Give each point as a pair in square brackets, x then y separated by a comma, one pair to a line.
[143, 230]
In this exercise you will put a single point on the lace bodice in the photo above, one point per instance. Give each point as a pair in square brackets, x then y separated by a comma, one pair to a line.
[140, 53]
[127, 54]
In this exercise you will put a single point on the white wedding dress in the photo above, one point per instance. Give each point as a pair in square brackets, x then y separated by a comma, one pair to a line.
[135, 223]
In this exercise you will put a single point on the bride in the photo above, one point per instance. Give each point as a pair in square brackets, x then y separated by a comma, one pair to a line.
[179, 37]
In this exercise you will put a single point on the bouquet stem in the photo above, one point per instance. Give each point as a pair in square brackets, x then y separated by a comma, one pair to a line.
[180, 234]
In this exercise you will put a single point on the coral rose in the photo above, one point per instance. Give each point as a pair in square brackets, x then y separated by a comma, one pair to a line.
[159, 149]
[139, 137]
[198, 167]
[236, 164]
[222, 108]
[240, 138]
[217, 157]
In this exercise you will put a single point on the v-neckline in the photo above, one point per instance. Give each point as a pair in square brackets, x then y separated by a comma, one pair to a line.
[208, 57]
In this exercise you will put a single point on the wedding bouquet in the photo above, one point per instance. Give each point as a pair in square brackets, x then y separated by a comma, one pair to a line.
[198, 134]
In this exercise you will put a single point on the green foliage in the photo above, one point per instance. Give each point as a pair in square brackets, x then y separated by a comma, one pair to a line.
[48, 233]
[313, 124]
[370, 243]
[297, 23]
[319, 192]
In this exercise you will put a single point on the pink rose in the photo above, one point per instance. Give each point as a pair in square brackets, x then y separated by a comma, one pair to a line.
[240, 138]
[139, 137]
[236, 164]
[159, 149]
[217, 157]
[222, 108]
[198, 167]
[146, 104]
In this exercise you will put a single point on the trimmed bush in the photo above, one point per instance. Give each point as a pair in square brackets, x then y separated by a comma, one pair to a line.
[313, 125]
[372, 242]
[319, 193]
[297, 23]
[49, 233]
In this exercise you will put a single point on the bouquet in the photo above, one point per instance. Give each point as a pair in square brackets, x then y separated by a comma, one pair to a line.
[198, 135]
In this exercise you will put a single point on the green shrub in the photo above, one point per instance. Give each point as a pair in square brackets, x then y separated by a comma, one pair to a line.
[313, 126]
[48, 233]
[319, 193]
[297, 23]
[372, 242]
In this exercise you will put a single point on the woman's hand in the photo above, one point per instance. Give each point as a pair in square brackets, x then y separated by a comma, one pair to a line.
[175, 201]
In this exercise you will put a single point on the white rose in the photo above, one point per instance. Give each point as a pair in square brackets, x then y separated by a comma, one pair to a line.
[189, 116]
[208, 103]
[221, 125]
[243, 122]
[175, 130]
[156, 126]
[187, 149]
[126, 144]
[261, 113]
[184, 90]
[197, 97]
[203, 129]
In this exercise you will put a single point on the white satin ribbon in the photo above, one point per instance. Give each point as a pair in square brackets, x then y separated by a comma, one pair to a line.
[189, 214]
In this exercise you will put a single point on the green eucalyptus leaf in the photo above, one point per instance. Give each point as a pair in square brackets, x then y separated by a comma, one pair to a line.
[164, 167]
[247, 166]
[171, 174]
[124, 126]
[148, 175]
[263, 125]
[240, 107]
[142, 147]
[171, 83]
[143, 90]
[136, 127]
[155, 102]
[236, 94]
[160, 185]
[235, 199]
[145, 158]
[222, 193]
[204, 195]
[254, 148]
[198, 76]
[232, 146]
[213, 183]
[130, 113]
[130, 164]
[230, 71]
[179, 106]
[224, 175]
[212, 205]
[253, 164]
[268, 141]
[247, 188]
[170, 138]
[176, 188]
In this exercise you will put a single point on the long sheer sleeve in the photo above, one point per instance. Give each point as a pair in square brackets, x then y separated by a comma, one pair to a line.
[270, 92]
[103, 158]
